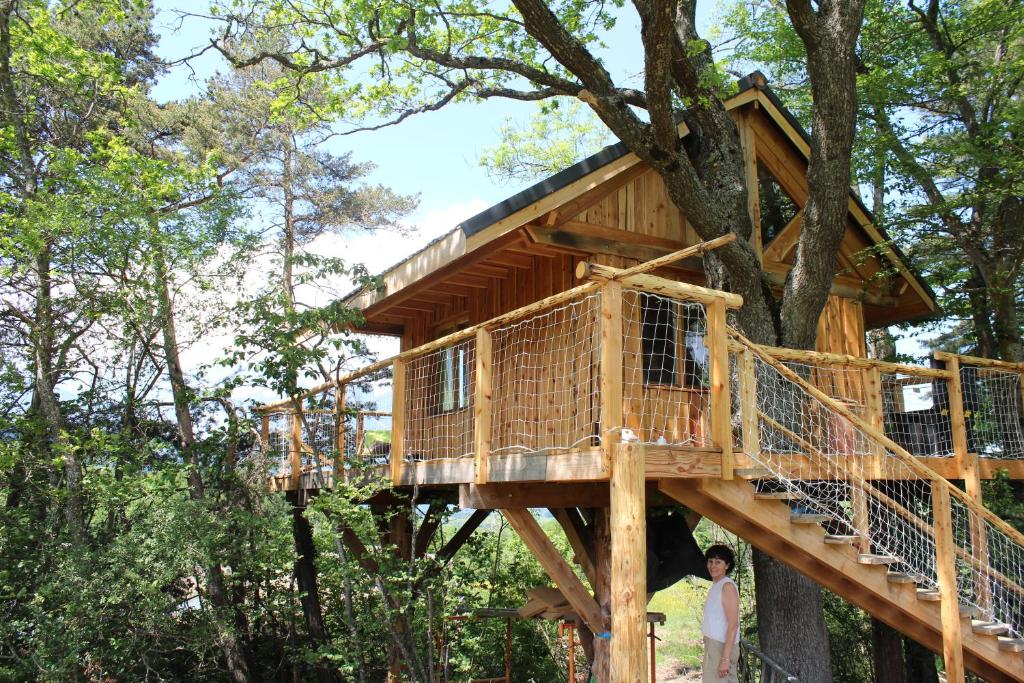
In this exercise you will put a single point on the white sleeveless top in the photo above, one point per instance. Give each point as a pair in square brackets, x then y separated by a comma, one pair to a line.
[715, 624]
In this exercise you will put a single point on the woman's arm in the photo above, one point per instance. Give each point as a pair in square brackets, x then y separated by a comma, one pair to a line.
[731, 605]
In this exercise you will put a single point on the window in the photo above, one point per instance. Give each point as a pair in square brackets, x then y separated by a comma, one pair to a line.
[672, 332]
[777, 207]
[453, 379]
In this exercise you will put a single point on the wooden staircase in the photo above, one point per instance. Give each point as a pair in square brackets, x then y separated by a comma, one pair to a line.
[837, 564]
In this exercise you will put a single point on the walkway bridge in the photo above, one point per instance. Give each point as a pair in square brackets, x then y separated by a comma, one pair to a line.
[632, 386]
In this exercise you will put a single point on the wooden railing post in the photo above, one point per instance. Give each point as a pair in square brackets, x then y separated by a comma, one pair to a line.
[967, 467]
[398, 412]
[339, 434]
[295, 448]
[611, 370]
[748, 402]
[629, 565]
[945, 566]
[721, 405]
[875, 407]
[482, 404]
[265, 431]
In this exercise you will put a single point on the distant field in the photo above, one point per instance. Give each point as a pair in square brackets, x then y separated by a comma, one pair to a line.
[679, 648]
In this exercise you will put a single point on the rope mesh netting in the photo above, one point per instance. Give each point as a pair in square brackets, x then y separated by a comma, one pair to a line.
[545, 380]
[834, 468]
[439, 388]
[992, 408]
[278, 440]
[916, 413]
[665, 369]
[367, 420]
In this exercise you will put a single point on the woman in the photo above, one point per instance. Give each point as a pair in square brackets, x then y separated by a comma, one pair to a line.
[721, 625]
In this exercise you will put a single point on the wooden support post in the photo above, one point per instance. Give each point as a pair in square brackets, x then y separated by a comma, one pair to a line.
[875, 407]
[482, 404]
[556, 567]
[398, 412]
[629, 565]
[611, 369]
[748, 403]
[971, 474]
[295, 449]
[265, 432]
[721, 406]
[945, 564]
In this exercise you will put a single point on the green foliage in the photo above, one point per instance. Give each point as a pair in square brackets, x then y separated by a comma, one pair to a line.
[557, 137]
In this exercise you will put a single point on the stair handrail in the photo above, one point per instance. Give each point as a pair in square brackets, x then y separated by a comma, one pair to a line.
[768, 661]
[901, 454]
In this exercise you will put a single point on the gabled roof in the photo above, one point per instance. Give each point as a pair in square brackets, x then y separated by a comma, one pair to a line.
[496, 222]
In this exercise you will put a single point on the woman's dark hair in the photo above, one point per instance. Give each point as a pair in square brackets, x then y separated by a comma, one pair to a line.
[723, 553]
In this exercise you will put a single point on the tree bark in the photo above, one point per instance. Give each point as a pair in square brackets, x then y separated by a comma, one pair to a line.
[920, 663]
[306, 578]
[887, 647]
[790, 607]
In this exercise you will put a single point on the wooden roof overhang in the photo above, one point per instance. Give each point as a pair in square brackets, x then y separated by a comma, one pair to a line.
[541, 223]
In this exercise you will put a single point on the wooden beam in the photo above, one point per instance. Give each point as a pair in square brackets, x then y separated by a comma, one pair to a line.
[584, 245]
[482, 404]
[748, 403]
[785, 241]
[621, 235]
[579, 541]
[537, 494]
[629, 565]
[556, 567]
[462, 535]
[776, 277]
[658, 285]
[585, 270]
[425, 534]
[945, 568]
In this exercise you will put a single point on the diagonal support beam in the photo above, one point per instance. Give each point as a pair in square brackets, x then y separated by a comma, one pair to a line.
[462, 535]
[579, 540]
[557, 568]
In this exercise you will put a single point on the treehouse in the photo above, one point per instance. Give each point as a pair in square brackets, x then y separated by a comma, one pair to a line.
[561, 350]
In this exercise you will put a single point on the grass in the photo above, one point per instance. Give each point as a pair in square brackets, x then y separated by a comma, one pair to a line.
[680, 643]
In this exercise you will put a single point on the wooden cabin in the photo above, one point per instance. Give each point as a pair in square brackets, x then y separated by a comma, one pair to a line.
[521, 385]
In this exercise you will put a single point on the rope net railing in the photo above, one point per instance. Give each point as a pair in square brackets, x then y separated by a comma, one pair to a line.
[544, 377]
[916, 413]
[666, 387]
[366, 415]
[993, 411]
[439, 394]
[859, 486]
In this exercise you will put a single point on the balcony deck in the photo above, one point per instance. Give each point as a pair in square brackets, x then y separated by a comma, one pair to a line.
[544, 393]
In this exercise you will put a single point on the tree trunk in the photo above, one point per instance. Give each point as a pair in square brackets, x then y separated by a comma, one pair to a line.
[306, 577]
[920, 663]
[887, 646]
[237, 653]
[790, 607]
[596, 646]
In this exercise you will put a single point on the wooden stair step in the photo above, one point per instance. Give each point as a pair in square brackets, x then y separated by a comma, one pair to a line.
[751, 472]
[807, 518]
[928, 595]
[899, 577]
[1007, 644]
[778, 495]
[840, 539]
[969, 612]
[869, 558]
[990, 628]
